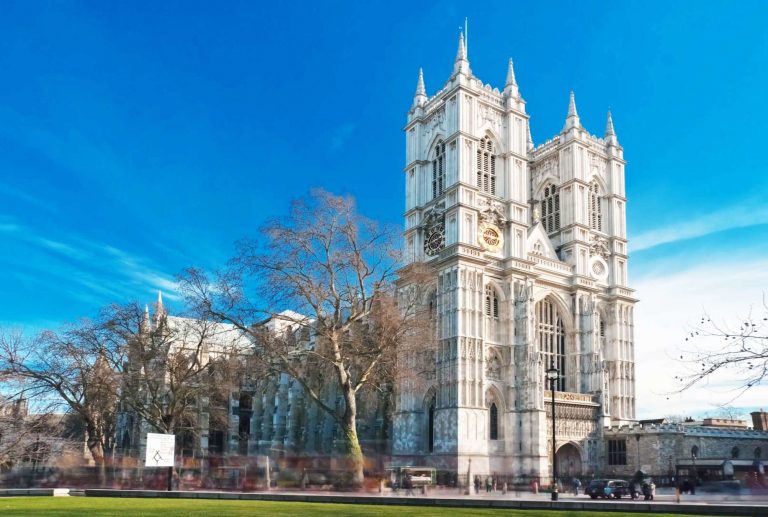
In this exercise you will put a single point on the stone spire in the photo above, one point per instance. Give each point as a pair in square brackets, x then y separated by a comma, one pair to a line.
[572, 120]
[610, 134]
[159, 307]
[461, 66]
[420, 97]
[510, 86]
[145, 321]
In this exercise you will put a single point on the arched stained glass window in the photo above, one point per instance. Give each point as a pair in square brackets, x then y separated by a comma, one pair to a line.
[551, 334]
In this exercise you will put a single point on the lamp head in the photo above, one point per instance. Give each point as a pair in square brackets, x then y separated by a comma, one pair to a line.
[552, 372]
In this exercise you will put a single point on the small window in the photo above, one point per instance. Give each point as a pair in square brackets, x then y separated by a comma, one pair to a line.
[617, 452]
[758, 453]
[695, 451]
[735, 453]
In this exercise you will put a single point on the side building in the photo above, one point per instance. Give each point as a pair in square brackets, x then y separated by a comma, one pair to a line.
[254, 415]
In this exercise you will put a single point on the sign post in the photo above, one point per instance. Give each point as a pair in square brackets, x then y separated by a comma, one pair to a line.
[161, 451]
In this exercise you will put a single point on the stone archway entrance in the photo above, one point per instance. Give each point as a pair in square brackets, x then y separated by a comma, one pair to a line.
[568, 461]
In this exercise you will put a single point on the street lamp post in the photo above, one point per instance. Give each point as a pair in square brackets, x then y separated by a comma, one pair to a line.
[552, 375]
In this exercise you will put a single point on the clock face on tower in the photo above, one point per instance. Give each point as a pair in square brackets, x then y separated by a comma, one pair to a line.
[490, 237]
[434, 242]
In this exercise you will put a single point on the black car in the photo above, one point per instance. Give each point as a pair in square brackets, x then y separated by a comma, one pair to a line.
[607, 488]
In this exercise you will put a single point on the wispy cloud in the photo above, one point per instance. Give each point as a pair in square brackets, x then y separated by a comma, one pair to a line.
[747, 213]
[670, 306]
[85, 269]
[10, 191]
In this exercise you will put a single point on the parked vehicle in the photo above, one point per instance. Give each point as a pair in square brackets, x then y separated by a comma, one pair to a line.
[607, 488]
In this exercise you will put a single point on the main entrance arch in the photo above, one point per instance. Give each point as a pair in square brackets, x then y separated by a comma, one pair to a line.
[568, 461]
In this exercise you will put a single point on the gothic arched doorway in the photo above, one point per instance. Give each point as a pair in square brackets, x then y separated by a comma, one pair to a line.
[568, 461]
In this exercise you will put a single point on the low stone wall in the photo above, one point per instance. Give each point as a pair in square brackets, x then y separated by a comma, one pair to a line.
[11, 492]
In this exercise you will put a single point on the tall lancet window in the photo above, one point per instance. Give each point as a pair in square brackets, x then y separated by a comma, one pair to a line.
[486, 167]
[494, 422]
[438, 170]
[431, 425]
[550, 209]
[551, 334]
[595, 210]
[491, 302]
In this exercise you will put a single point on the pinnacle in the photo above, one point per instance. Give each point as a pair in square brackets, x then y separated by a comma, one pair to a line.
[420, 97]
[609, 126]
[510, 75]
[420, 89]
[461, 55]
[572, 120]
[572, 106]
[461, 66]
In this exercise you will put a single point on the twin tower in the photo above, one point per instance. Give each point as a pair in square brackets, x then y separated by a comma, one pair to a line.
[529, 251]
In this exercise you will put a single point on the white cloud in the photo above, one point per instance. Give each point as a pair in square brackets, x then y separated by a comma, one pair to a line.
[671, 306]
[748, 213]
[88, 270]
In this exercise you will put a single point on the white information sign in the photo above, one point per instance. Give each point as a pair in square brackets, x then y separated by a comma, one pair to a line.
[160, 450]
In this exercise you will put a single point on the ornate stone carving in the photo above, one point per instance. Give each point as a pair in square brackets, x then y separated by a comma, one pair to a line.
[493, 368]
[599, 247]
[492, 212]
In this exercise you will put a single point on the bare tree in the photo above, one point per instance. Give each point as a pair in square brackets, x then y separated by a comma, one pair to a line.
[62, 366]
[739, 348]
[168, 364]
[337, 269]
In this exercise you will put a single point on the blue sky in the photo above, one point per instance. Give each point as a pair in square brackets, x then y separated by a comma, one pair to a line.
[139, 138]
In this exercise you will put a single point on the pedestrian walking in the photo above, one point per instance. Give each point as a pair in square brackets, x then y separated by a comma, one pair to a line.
[576, 485]
[408, 484]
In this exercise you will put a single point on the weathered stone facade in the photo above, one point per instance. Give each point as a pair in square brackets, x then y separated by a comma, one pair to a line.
[529, 250]
[676, 449]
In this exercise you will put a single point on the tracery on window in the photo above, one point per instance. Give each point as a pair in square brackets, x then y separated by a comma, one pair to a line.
[486, 166]
[551, 334]
[595, 210]
[438, 170]
[550, 208]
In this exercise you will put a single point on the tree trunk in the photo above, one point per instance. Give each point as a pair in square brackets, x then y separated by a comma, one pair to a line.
[354, 452]
[96, 447]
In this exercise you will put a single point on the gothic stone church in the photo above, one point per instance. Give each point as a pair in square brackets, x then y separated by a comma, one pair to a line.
[529, 250]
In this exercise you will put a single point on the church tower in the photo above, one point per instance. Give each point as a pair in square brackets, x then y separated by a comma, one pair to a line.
[529, 251]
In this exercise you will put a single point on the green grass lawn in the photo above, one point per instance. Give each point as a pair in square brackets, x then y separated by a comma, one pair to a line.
[122, 506]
